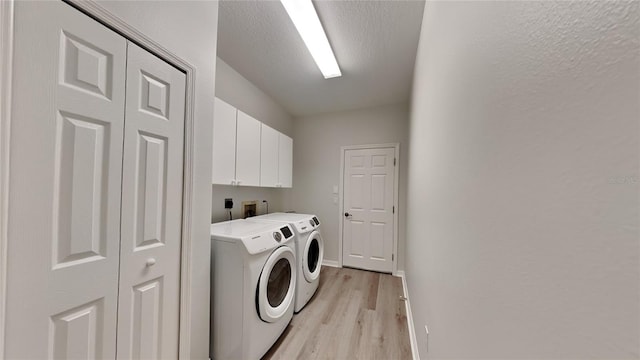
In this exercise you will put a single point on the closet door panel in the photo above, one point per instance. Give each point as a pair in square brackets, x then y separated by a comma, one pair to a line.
[148, 317]
[65, 184]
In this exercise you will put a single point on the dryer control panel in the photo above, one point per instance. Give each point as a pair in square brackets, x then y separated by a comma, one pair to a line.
[307, 225]
[267, 240]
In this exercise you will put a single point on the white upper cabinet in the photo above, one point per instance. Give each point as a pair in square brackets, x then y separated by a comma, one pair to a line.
[236, 147]
[247, 151]
[269, 157]
[224, 143]
[285, 161]
[276, 158]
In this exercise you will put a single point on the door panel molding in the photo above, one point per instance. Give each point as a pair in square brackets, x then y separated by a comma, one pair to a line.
[343, 150]
[97, 12]
[6, 70]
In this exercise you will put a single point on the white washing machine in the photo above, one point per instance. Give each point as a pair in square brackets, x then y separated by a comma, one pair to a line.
[253, 275]
[309, 251]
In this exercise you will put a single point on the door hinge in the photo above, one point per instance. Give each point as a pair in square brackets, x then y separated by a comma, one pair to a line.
[392, 257]
[393, 209]
[394, 161]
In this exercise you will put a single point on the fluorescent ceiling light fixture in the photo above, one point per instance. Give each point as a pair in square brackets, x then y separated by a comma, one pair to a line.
[306, 20]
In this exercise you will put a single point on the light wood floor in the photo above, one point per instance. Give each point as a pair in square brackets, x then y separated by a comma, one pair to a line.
[354, 314]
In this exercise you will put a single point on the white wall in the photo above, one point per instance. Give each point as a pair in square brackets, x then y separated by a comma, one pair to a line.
[316, 162]
[189, 30]
[239, 194]
[241, 93]
[233, 88]
[522, 236]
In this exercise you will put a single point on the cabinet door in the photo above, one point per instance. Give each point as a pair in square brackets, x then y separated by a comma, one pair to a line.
[247, 151]
[148, 310]
[64, 196]
[269, 156]
[224, 143]
[285, 162]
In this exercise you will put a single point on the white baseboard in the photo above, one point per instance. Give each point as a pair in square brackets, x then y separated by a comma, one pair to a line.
[412, 329]
[331, 263]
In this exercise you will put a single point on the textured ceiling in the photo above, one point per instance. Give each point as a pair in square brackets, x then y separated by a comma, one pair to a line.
[374, 41]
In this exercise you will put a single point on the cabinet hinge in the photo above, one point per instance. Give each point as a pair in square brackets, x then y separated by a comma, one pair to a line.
[392, 257]
[394, 161]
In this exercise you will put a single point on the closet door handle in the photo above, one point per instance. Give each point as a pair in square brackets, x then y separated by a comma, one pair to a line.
[347, 215]
[150, 262]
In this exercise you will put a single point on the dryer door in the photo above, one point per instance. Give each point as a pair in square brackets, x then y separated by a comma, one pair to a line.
[276, 286]
[312, 256]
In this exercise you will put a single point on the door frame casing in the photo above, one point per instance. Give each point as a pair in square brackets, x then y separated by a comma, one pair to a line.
[6, 69]
[396, 169]
[98, 13]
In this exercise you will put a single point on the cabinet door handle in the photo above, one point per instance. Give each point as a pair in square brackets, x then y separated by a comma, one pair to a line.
[150, 262]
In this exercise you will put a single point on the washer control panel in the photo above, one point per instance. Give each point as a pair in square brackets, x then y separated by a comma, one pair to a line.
[286, 231]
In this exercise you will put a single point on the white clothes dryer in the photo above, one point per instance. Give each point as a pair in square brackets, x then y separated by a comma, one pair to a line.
[309, 251]
[253, 275]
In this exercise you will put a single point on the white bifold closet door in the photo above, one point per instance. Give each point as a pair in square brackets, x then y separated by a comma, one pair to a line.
[148, 310]
[95, 200]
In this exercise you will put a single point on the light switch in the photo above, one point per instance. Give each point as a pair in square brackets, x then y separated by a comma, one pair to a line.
[335, 189]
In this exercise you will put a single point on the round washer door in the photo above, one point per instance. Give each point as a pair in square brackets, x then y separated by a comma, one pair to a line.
[312, 256]
[276, 286]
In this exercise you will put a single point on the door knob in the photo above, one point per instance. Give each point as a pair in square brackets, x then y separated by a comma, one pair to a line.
[347, 215]
[150, 262]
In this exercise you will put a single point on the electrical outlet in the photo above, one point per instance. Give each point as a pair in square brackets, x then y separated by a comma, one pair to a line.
[426, 329]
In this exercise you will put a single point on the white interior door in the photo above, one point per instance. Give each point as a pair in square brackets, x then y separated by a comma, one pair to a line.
[369, 178]
[65, 185]
[149, 308]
